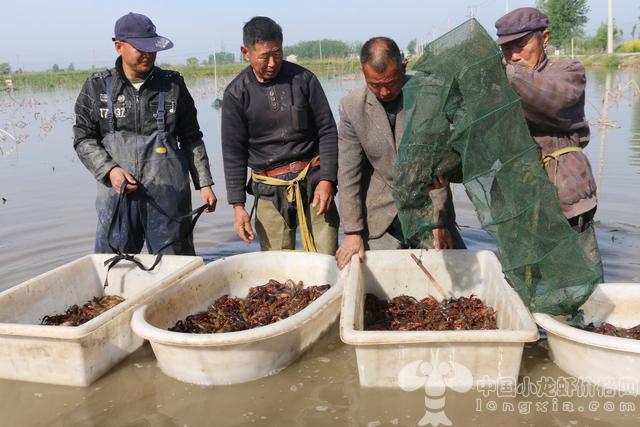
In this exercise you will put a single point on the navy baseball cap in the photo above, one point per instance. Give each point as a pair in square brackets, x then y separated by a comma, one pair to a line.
[139, 31]
[520, 22]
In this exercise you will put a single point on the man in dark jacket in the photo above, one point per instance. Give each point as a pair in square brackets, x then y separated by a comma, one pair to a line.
[136, 131]
[276, 120]
[553, 96]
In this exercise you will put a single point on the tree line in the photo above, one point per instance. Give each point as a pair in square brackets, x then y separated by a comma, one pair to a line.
[325, 48]
[567, 19]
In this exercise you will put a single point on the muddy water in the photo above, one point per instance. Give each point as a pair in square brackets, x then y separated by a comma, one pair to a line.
[47, 219]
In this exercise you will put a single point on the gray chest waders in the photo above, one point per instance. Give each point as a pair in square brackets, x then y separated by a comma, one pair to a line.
[159, 211]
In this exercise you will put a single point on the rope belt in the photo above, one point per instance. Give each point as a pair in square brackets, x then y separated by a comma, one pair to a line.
[294, 194]
[556, 154]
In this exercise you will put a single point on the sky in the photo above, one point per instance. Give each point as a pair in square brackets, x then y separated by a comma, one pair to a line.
[37, 34]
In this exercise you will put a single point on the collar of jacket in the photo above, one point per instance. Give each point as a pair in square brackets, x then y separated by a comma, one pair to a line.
[122, 76]
[379, 118]
[542, 64]
[371, 98]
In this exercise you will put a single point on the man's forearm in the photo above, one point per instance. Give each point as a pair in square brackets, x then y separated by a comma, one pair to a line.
[95, 158]
[442, 200]
[198, 164]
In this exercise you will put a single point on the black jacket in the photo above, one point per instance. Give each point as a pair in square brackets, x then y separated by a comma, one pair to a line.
[133, 112]
[265, 125]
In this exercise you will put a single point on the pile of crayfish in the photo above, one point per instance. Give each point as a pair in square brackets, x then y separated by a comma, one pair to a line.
[263, 305]
[613, 331]
[76, 316]
[405, 313]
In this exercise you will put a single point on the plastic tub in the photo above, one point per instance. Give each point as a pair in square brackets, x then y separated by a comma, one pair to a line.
[236, 357]
[606, 361]
[78, 355]
[463, 357]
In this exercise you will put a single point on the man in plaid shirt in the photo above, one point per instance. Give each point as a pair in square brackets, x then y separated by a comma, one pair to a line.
[553, 98]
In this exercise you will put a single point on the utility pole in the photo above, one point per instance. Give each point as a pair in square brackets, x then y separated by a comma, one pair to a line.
[572, 56]
[506, 6]
[215, 73]
[610, 29]
[471, 11]
[320, 50]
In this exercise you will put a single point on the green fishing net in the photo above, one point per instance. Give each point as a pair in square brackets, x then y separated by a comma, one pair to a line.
[463, 121]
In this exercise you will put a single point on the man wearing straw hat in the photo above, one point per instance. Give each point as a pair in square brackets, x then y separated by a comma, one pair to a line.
[276, 120]
[553, 96]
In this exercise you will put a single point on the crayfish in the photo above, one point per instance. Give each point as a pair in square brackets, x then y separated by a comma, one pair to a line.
[405, 313]
[613, 331]
[75, 316]
[264, 304]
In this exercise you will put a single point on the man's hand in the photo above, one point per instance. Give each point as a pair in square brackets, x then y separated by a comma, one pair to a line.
[323, 196]
[208, 197]
[242, 223]
[118, 176]
[352, 244]
[442, 239]
[438, 183]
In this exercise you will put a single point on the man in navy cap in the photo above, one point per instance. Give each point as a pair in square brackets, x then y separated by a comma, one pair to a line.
[136, 131]
[553, 95]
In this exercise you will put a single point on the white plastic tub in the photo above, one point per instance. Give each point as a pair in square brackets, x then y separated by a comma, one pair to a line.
[606, 361]
[236, 357]
[460, 356]
[78, 355]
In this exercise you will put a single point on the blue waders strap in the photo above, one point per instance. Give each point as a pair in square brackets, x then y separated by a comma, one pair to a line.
[109, 82]
[159, 115]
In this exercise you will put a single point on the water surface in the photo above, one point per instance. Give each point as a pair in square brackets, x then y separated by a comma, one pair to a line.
[47, 219]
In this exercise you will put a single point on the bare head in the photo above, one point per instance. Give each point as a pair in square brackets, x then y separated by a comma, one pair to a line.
[262, 47]
[383, 67]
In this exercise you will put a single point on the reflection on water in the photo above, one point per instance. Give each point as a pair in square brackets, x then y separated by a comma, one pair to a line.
[47, 219]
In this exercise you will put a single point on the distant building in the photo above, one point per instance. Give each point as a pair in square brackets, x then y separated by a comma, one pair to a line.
[292, 58]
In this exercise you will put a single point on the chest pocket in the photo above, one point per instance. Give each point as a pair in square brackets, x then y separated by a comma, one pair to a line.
[170, 112]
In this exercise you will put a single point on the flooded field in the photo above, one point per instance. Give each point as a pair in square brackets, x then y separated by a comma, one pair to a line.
[47, 218]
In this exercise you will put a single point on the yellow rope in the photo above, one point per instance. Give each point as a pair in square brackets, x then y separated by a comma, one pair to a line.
[294, 194]
[556, 154]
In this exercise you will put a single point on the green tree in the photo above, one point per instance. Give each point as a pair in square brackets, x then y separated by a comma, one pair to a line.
[356, 47]
[55, 68]
[311, 49]
[222, 58]
[192, 61]
[71, 67]
[411, 47]
[5, 68]
[599, 41]
[566, 19]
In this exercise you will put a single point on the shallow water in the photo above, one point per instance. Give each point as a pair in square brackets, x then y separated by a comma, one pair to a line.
[47, 219]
